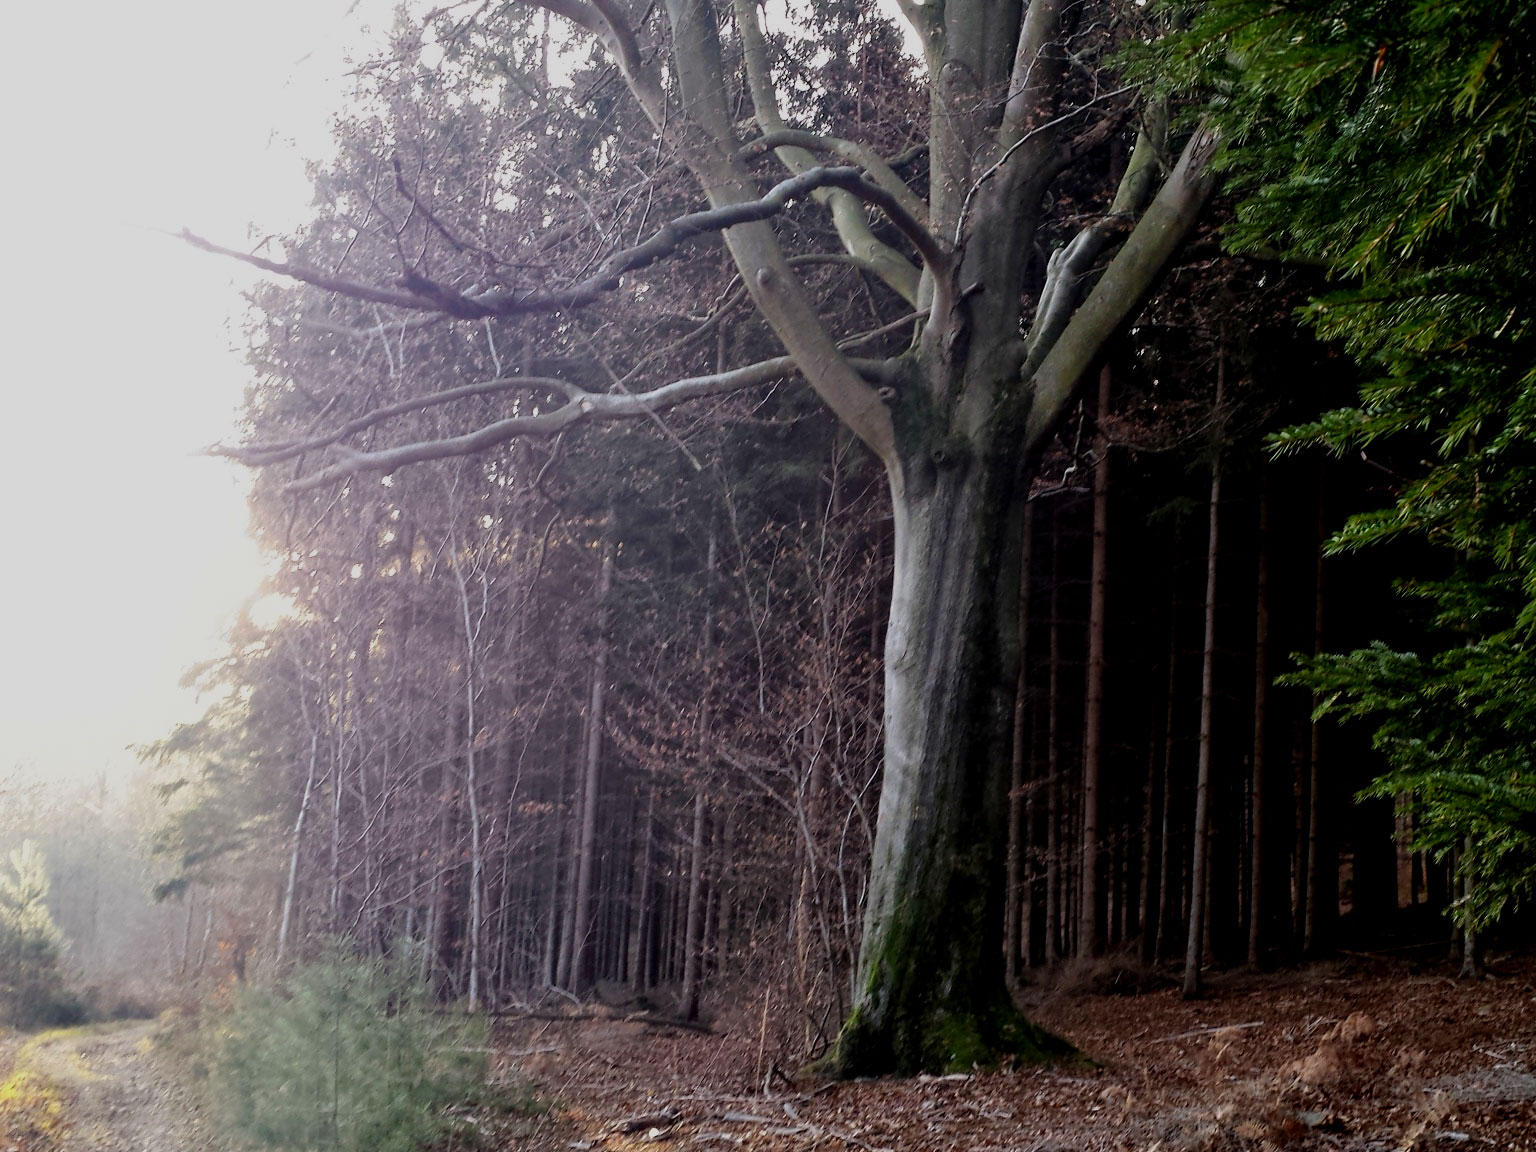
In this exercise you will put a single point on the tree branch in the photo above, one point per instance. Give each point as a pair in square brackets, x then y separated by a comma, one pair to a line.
[1131, 275]
[878, 169]
[1070, 264]
[424, 295]
[276, 451]
[1001, 162]
[580, 406]
[847, 214]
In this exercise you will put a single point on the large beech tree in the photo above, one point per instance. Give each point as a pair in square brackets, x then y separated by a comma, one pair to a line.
[1042, 203]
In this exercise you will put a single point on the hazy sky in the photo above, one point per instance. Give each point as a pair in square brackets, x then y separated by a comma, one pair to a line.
[125, 555]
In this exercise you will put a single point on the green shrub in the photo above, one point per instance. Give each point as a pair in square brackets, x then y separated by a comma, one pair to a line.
[342, 1055]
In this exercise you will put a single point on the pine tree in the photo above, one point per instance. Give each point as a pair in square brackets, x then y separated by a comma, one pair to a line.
[32, 989]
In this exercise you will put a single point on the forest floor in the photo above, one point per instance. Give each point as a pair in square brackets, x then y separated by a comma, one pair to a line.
[1357, 1055]
[96, 1089]
[1354, 1055]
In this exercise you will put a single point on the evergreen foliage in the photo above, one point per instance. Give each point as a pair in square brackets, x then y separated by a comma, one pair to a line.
[32, 989]
[215, 810]
[1392, 143]
[343, 1054]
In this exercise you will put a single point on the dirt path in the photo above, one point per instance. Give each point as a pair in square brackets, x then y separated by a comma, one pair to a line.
[120, 1096]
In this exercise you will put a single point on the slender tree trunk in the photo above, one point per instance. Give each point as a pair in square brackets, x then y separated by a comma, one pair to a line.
[1147, 902]
[1300, 789]
[1089, 940]
[691, 937]
[1471, 950]
[471, 768]
[1053, 843]
[639, 937]
[579, 976]
[1014, 942]
[286, 923]
[1167, 901]
[1260, 729]
[1309, 938]
[1200, 840]
[694, 919]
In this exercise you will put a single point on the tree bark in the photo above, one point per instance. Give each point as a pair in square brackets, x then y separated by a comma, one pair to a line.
[1053, 839]
[1312, 919]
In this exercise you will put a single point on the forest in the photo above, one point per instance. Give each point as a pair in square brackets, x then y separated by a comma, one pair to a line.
[831, 521]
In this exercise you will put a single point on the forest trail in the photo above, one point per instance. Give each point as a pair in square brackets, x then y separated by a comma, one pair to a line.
[120, 1096]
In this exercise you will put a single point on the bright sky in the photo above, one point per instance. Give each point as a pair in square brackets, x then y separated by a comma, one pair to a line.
[125, 555]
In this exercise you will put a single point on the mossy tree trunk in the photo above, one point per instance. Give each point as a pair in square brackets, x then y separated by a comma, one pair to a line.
[930, 988]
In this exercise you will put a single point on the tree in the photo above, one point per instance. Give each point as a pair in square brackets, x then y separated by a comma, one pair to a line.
[1392, 144]
[32, 988]
[1010, 299]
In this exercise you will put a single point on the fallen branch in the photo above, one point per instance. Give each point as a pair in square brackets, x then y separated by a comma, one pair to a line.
[650, 1021]
[1208, 1030]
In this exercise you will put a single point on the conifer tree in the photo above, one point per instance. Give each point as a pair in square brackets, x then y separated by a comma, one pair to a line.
[1392, 144]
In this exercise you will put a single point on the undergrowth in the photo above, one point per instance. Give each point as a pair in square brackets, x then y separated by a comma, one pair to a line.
[349, 1056]
[31, 1106]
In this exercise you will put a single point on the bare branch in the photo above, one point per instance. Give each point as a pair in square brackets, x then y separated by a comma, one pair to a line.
[1032, 86]
[1070, 264]
[342, 287]
[583, 406]
[580, 406]
[852, 151]
[272, 452]
[424, 295]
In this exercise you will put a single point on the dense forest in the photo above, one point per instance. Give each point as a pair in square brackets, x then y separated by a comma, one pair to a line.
[650, 630]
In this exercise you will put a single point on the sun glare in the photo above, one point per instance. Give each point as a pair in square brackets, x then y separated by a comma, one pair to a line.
[128, 555]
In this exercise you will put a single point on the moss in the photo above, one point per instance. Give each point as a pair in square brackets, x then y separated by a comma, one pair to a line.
[956, 1044]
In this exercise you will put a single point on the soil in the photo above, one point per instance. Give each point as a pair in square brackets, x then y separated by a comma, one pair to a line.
[1361, 1055]
[120, 1096]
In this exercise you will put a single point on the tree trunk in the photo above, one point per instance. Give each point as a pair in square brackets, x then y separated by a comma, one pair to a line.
[930, 992]
[579, 974]
[1089, 941]
[1200, 849]
[1053, 845]
[289, 889]
[639, 936]
[1014, 943]
[1311, 920]
[1471, 949]
[1260, 731]
[689, 1008]
[1147, 895]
